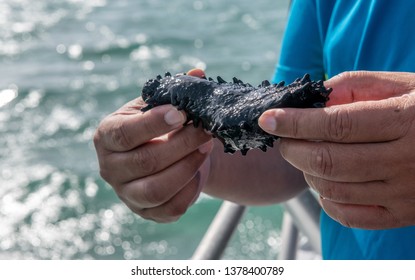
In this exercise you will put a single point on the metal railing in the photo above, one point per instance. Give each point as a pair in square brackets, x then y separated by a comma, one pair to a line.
[302, 214]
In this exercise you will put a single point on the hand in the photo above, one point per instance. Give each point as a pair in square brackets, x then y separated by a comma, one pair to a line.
[156, 166]
[359, 156]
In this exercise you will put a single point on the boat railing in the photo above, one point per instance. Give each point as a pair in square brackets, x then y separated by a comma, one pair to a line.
[301, 215]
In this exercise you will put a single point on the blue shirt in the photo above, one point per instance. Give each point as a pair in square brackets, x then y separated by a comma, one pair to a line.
[327, 37]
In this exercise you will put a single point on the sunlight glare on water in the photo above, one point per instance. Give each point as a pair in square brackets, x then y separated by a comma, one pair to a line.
[65, 65]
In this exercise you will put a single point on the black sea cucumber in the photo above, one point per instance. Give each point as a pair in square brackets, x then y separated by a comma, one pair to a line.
[230, 111]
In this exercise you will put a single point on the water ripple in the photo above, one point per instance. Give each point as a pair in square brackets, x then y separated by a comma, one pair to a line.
[68, 63]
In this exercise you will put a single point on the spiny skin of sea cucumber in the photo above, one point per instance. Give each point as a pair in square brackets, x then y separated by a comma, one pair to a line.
[230, 111]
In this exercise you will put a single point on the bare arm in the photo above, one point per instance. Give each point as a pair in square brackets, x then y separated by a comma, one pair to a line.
[255, 179]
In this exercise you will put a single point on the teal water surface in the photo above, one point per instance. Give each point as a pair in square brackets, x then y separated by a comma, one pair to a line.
[66, 64]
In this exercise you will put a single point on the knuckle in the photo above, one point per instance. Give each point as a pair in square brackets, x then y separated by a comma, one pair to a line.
[97, 137]
[99, 130]
[333, 192]
[188, 143]
[105, 174]
[404, 116]
[118, 136]
[338, 125]
[321, 162]
[152, 127]
[145, 160]
[100, 133]
[106, 171]
[294, 126]
[328, 190]
[152, 193]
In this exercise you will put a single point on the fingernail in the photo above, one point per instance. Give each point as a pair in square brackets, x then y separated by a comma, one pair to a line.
[268, 123]
[196, 72]
[173, 117]
[205, 148]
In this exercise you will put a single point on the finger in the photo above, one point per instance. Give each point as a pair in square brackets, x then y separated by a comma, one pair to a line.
[355, 86]
[362, 193]
[155, 190]
[360, 216]
[341, 162]
[196, 73]
[126, 130]
[177, 206]
[154, 156]
[370, 121]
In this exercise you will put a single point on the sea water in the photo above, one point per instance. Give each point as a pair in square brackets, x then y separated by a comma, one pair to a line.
[66, 64]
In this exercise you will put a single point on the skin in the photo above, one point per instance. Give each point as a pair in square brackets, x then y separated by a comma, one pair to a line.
[158, 167]
[363, 164]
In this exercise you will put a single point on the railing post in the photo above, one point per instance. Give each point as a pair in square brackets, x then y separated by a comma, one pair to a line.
[289, 238]
[219, 232]
[302, 214]
[305, 212]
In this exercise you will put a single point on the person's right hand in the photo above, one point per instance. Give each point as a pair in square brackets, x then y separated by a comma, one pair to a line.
[156, 166]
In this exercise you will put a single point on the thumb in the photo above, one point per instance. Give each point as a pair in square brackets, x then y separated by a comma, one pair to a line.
[356, 86]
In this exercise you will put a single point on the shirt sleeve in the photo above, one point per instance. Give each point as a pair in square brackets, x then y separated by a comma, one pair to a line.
[302, 45]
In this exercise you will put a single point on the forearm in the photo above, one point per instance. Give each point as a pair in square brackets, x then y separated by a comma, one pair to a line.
[255, 179]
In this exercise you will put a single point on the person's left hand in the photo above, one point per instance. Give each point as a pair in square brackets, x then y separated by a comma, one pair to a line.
[358, 154]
